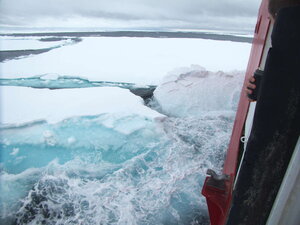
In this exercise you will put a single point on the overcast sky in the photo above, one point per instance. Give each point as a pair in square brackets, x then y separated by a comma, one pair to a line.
[114, 14]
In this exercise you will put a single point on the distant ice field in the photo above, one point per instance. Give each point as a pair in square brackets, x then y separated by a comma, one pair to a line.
[123, 59]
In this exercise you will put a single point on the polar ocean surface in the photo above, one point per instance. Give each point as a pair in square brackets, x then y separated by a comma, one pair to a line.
[99, 155]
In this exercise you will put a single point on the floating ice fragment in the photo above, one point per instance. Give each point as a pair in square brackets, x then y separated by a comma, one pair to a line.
[47, 134]
[15, 151]
[49, 138]
[71, 140]
[50, 76]
[5, 141]
[19, 159]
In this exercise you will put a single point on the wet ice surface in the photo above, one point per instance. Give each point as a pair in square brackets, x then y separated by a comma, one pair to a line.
[100, 156]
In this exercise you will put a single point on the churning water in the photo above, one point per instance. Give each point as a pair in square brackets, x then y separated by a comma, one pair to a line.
[134, 171]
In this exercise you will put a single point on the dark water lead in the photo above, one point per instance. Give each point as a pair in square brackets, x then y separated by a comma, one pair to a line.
[16, 54]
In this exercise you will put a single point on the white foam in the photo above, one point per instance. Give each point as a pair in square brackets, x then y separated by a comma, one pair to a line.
[15, 151]
[21, 105]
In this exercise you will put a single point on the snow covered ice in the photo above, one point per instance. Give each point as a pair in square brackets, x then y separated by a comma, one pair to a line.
[124, 59]
[23, 104]
[101, 156]
[193, 91]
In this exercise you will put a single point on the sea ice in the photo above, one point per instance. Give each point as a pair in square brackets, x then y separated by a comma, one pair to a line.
[135, 60]
[191, 91]
[15, 151]
[100, 157]
[23, 105]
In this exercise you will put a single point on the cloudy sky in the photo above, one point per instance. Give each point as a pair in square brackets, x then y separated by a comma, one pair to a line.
[129, 14]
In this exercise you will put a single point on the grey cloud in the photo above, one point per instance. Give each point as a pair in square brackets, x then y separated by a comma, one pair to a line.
[186, 11]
